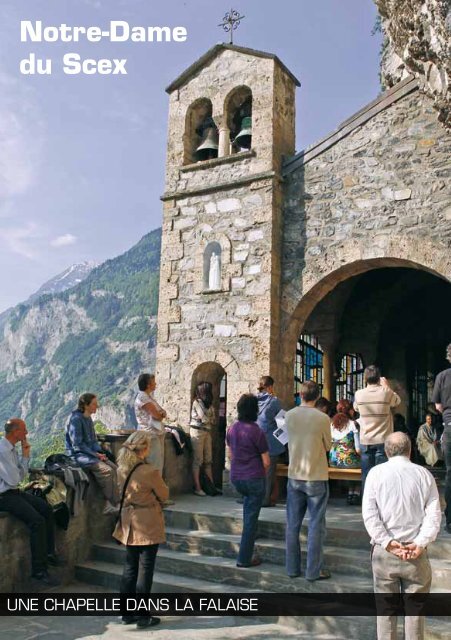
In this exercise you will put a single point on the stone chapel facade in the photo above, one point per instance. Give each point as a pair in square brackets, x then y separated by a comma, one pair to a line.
[336, 241]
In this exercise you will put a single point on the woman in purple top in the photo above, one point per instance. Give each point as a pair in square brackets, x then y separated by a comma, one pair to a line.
[248, 452]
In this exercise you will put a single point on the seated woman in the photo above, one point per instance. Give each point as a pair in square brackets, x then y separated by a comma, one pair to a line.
[202, 421]
[345, 450]
[82, 445]
[141, 523]
[428, 442]
[248, 452]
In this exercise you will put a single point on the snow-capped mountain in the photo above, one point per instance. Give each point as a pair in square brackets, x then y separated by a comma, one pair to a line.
[65, 280]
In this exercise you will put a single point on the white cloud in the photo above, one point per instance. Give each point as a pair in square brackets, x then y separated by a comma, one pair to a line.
[20, 138]
[22, 240]
[64, 241]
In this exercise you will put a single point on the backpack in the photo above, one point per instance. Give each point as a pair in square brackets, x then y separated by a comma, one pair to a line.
[57, 462]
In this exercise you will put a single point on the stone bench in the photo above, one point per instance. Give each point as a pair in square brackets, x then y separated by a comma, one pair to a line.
[335, 473]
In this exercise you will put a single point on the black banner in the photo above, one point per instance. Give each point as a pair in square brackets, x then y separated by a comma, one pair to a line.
[209, 604]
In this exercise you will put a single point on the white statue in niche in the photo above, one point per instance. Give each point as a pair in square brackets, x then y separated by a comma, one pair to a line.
[214, 275]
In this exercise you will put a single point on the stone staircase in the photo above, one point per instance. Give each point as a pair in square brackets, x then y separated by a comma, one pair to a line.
[200, 556]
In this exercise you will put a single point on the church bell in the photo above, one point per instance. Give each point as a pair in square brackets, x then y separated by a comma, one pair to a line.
[208, 148]
[244, 137]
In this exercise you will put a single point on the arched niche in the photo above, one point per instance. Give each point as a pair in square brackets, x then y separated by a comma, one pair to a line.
[199, 115]
[215, 374]
[209, 243]
[212, 267]
[237, 106]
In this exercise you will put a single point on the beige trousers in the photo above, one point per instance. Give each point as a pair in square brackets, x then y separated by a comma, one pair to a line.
[156, 455]
[105, 474]
[202, 448]
[393, 575]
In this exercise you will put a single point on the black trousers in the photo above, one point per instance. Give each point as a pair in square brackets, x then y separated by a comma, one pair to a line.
[38, 516]
[139, 566]
[447, 455]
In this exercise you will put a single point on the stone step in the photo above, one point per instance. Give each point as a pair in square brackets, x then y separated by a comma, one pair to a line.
[356, 565]
[227, 545]
[266, 577]
[224, 516]
[217, 522]
[108, 574]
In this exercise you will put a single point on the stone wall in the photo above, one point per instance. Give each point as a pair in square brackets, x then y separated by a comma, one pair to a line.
[74, 545]
[374, 194]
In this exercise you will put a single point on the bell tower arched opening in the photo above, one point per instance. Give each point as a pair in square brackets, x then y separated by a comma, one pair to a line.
[238, 115]
[201, 134]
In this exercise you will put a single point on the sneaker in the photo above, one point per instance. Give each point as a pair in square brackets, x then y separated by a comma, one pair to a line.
[144, 623]
[323, 575]
[111, 509]
[42, 579]
[199, 492]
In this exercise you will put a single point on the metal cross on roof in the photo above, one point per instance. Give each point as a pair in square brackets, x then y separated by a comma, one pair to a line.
[230, 22]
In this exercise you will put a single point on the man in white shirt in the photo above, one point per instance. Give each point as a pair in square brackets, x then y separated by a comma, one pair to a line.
[401, 511]
[32, 510]
[149, 416]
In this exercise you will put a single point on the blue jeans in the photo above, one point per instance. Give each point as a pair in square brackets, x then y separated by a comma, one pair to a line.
[253, 492]
[371, 455]
[303, 495]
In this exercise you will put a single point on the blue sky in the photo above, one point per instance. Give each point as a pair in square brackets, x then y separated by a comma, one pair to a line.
[82, 157]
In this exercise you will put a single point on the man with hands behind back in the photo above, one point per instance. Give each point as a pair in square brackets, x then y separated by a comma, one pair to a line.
[401, 511]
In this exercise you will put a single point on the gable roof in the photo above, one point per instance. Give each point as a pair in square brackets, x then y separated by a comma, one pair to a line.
[215, 51]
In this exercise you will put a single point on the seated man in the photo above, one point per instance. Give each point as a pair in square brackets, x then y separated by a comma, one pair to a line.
[82, 445]
[32, 510]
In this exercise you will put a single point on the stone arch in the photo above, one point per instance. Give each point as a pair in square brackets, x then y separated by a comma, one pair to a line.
[238, 100]
[221, 359]
[321, 275]
[196, 114]
[206, 240]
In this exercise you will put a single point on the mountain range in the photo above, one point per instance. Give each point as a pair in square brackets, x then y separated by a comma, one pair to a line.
[92, 328]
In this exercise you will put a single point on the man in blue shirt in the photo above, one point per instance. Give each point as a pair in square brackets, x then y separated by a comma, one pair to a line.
[32, 510]
[82, 445]
[268, 407]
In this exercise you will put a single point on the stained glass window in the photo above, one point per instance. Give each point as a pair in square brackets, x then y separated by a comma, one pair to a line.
[350, 376]
[309, 362]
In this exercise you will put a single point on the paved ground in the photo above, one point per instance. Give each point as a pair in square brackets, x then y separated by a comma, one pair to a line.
[84, 628]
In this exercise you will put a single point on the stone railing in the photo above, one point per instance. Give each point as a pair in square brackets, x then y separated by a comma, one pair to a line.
[88, 527]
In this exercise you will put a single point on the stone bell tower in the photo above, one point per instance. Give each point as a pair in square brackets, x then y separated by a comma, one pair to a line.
[231, 121]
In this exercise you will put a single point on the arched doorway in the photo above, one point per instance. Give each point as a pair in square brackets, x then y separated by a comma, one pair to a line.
[387, 312]
[214, 373]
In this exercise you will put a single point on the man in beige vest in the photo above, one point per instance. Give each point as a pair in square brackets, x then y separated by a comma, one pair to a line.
[309, 440]
[374, 404]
